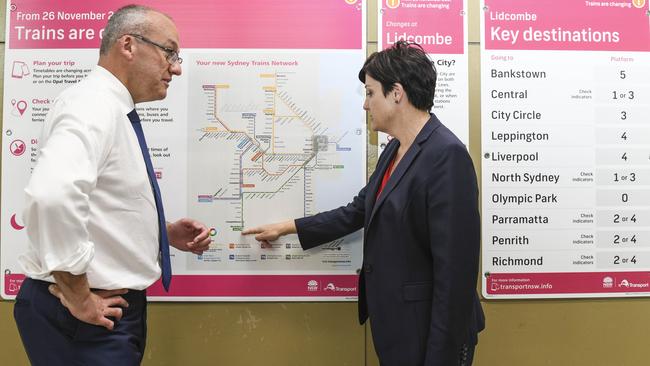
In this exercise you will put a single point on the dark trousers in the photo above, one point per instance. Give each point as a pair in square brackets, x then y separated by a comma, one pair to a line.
[52, 336]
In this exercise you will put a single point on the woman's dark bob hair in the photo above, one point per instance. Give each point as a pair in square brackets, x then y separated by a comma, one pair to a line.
[407, 64]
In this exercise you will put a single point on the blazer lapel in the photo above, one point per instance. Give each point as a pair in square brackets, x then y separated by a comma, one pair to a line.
[373, 185]
[404, 164]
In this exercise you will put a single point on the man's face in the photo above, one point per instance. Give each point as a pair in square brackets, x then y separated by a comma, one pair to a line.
[151, 72]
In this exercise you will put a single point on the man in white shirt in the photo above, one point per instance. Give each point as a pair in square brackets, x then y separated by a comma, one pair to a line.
[93, 213]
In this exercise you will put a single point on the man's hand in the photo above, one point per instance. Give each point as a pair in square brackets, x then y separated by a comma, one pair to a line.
[189, 236]
[271, 232]
[88, 306]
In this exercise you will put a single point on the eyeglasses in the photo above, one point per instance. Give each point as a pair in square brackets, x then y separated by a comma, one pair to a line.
[172, 56]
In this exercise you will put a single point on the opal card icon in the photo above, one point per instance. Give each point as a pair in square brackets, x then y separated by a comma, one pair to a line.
[19, 70]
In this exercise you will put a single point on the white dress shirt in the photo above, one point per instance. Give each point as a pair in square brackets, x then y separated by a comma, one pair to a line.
[89, 204]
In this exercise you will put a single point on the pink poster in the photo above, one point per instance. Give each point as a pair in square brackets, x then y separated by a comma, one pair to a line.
[201, 24]
[594, 283]
[565, 98]
[283, 72]
[438, 26]
[239, 286]
[567, 25]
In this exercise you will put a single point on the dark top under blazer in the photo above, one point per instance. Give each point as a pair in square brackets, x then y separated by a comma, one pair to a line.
[420, 253]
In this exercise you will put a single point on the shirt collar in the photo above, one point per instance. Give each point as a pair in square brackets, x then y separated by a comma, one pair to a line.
[115, 86]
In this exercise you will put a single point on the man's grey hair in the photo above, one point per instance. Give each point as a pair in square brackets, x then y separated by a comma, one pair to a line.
[130, 19]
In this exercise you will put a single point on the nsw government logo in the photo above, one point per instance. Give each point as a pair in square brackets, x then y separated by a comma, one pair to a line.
[312, 285]
[608, 282]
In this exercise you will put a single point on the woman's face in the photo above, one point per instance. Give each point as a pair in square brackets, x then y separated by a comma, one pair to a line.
[381, 108]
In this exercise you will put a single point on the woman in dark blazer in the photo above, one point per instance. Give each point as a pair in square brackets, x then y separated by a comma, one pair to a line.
[419, 213]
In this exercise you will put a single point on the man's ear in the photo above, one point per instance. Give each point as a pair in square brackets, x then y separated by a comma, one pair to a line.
[126, 46]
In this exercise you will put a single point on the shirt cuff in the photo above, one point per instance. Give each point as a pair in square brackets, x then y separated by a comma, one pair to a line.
[42, 268]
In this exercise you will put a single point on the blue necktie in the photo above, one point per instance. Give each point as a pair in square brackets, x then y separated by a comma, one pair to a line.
[163, 242]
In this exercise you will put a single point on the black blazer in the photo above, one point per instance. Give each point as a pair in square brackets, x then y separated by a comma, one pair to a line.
[421, 250]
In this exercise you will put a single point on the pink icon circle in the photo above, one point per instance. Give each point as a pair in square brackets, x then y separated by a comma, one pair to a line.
[15, 224]
[17, 147]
